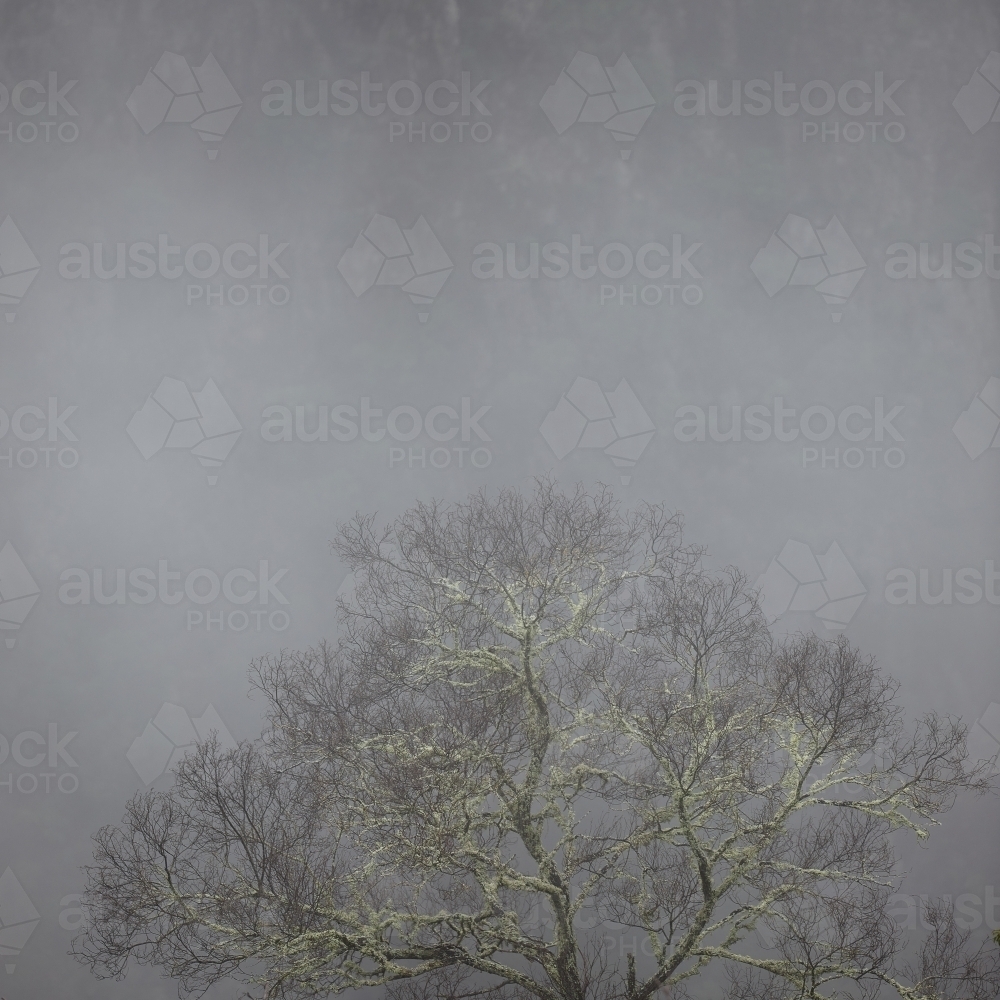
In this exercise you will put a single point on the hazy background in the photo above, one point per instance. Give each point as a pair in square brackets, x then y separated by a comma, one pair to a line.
[515, 346]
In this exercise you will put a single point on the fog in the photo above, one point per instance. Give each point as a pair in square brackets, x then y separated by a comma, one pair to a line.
[245, 225]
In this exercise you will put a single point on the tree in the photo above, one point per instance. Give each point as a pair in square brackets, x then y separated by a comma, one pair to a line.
[543, 712]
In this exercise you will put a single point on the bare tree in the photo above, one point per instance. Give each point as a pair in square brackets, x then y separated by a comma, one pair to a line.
[543, 713]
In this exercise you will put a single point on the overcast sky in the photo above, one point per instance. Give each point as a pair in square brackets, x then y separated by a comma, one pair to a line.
[234, 227]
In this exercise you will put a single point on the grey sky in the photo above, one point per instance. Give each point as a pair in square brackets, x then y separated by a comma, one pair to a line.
[498, 173]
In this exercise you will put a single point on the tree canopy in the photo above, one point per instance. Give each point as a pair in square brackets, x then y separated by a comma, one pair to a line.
[543, 716]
